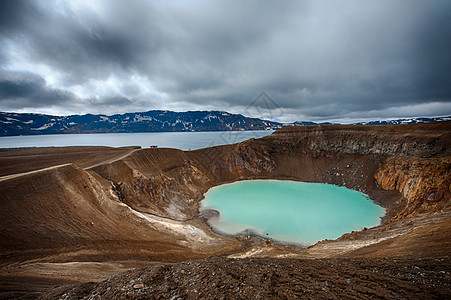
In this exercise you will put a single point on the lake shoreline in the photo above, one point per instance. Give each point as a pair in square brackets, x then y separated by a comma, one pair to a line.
[231, 210]
[185, 140]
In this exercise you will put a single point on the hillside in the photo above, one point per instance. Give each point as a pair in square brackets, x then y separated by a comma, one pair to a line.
[151, 121]
[12, 124]
[71, 219]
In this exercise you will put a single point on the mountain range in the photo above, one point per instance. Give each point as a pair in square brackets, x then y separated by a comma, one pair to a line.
[12, 124]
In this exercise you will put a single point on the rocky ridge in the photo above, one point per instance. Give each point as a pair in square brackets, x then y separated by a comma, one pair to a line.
[423, 182]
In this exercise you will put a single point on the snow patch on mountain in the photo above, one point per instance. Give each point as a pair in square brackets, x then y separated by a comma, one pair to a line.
[154, 121]
[43, 127]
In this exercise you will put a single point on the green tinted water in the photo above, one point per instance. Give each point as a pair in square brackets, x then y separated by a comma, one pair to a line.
[288, 211]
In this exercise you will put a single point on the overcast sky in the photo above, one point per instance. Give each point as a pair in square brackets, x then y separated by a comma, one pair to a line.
[316, 60]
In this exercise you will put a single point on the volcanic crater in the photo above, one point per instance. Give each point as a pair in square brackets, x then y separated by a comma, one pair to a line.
[73, 217]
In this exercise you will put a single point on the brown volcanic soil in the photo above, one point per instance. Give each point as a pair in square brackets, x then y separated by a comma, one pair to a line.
[20, 160]
[260, 278]
[79, 214]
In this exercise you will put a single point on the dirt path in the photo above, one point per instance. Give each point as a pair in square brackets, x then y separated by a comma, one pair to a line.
[15, 161]
[107, 161]
[31, 172]
[111, 160]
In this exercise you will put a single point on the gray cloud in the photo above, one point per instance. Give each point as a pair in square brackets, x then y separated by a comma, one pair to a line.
[316, 59]
[30, 92]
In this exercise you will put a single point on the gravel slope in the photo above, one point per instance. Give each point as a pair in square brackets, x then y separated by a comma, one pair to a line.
[223, 278]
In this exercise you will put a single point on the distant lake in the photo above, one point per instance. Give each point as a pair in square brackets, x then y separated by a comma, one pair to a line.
[179, 140]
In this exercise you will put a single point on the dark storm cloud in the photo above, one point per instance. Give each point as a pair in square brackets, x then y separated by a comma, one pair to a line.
[30, 92]
[316, 59]
[432, 51]
[14, 13]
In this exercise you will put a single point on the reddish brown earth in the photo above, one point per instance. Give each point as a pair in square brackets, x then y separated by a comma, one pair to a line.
[80, 214]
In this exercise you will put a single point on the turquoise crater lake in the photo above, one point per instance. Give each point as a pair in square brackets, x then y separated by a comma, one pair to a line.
[288, 211]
